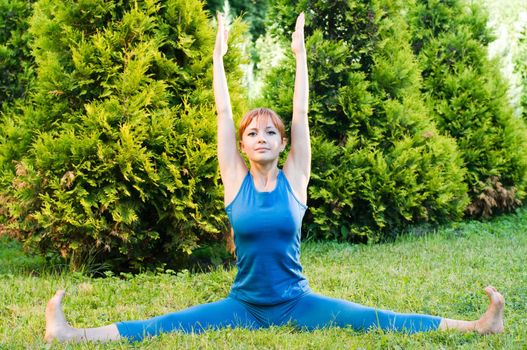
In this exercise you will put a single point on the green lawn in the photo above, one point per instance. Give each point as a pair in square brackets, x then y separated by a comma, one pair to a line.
[441, 273]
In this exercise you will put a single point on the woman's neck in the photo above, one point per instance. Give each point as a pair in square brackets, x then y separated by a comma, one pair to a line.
[264, 177]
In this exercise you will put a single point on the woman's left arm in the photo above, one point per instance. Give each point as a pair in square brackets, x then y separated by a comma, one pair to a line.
[297, 167]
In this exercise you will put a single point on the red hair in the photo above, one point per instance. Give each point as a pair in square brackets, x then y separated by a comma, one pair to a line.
[261, 113]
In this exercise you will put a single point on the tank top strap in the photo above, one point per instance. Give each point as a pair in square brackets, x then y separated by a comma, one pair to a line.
[244, 187]
[289, 190]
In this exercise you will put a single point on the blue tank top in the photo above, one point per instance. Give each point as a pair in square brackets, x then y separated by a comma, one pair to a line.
[267, 237]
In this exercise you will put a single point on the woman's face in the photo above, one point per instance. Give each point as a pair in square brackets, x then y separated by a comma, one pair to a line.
[261, 140]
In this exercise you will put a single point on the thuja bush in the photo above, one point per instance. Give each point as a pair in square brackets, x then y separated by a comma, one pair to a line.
[520, 65]
[16, 72]
[16, 62]
[468, 97]
[379, 163]
[116, 158]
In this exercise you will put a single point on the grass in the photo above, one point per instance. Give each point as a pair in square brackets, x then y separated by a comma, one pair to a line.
[442, 273]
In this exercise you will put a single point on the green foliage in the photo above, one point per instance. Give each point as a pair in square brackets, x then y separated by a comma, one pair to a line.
[252, 11]
[469, 101]
[16, 63]
[117, 159]
[379, 164]
[521, 67]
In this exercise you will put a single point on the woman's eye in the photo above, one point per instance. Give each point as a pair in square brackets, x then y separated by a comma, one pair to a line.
[252, 133]
[271, 132]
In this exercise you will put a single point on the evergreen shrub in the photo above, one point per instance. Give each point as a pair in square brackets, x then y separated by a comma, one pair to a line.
[468, 97]
[16, 73]
[521, 67]
[16, 62]
[115, 159]
[379, 163]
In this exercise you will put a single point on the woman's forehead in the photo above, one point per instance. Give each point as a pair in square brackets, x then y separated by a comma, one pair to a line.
[261, 121]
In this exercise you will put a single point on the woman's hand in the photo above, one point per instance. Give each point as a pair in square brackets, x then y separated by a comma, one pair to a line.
[297, 42]
[220, 48]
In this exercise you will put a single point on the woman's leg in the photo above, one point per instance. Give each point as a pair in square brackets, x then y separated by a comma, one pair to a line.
[316, 311]
[196, 319]
[224, 313]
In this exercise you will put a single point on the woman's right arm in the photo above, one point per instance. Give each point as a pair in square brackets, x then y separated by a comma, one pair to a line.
[232, 165]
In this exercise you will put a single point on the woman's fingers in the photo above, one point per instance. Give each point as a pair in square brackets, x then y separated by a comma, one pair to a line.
[219, 17]
[221, 25]
[297, 38]
[300, 20]
[221, 37]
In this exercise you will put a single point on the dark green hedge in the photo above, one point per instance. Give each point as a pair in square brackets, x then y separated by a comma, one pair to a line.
[16, 62]
[379, 162]
[115, 158]
[468, 97]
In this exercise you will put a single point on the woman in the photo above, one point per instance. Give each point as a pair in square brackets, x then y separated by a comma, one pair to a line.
[265, 206]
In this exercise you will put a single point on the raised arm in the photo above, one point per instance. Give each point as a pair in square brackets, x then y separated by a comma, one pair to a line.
[298, 164]
[232, 166]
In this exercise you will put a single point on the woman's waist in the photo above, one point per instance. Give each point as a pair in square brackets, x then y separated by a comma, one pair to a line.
[269, 292]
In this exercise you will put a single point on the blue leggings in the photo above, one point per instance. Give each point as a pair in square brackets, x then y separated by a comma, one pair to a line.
[309, 311]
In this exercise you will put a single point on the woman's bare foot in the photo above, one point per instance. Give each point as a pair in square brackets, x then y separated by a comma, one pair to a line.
[56, 325]
[492, 319]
